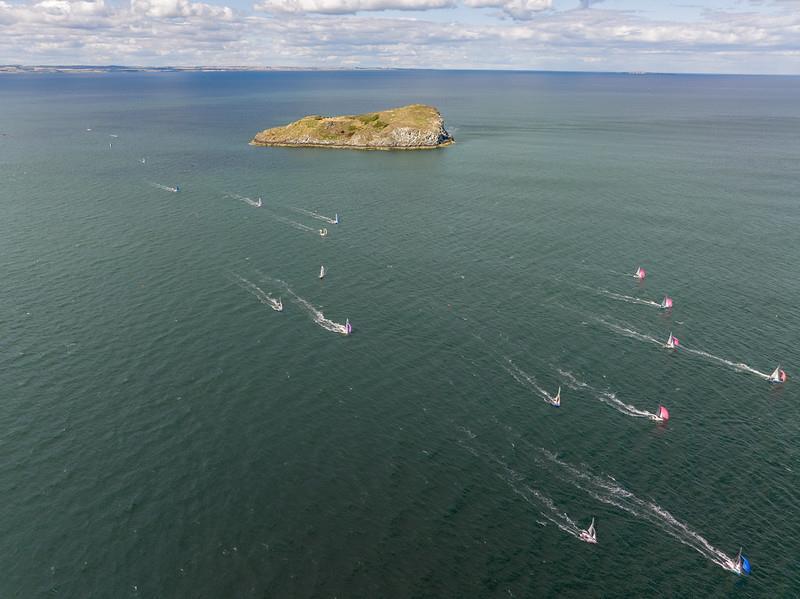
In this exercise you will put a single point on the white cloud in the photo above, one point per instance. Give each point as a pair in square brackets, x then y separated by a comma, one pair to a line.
[340, 7]
[177, 8]
[181, 32]
[517, 9]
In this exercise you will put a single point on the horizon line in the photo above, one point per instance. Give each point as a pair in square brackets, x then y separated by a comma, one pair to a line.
[11, 68]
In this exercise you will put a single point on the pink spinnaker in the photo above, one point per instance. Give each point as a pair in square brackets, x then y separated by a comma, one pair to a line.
[663, 413]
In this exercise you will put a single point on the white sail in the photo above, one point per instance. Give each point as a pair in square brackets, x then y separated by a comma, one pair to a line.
[321, 272]
[776, 374]
[591, 530]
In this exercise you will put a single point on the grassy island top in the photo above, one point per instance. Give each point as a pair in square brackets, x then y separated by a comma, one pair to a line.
[411, 127]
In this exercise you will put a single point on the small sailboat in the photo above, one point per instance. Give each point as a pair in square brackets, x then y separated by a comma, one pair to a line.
[323, 232]
[321, 272]
[336, 219]
[110, 145]
[258, 203]
[672, 342]
[778, 375]
[666, 303]
[741, 565]
[279, 305]
[143, 161]
[590, 534]
[662, 414]
[556, 401]
[640, 273]
[348, 328]
[176, 189]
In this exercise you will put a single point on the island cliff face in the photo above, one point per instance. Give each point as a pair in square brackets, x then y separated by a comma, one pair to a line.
[413, 127]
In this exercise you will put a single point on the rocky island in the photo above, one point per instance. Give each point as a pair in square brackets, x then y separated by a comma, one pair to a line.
[412, 127]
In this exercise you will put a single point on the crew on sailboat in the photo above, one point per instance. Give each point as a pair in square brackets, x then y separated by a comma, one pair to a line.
[778, 375]
[590, 534]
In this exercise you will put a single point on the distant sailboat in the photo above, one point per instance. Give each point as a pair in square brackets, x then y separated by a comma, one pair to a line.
[348, 328]
[778, 375]
[176, 189]
[590, 534]
[556, 401]
[672, 342]
[143, 161]
[336, 219]
[662, 415]
[666, 303]
[321, 272]
[279, 305]
[258, 203]
[640, 273]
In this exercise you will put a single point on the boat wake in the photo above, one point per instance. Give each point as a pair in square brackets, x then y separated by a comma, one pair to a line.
[316, 315]
[526, 380]
[607, 398]
[291, 223]
[607, 491]
[738, 366]
[317, 215]
[164, 187]
[629, 299]
[262, 296]
[534, 497]
[629, 332]
[245, 199]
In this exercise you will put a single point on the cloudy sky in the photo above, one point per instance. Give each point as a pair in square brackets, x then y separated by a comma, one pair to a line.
[722, 36]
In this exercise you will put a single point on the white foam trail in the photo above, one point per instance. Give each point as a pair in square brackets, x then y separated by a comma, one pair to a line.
[629, 299]
[291, 223]
[526, 380]
[264, 297]
[738, 366]
[317, 215]
[609, 492]
[316, 315]
[542, 502]
[164, 187]
[607, 398]
[245, 199]
[631, 333]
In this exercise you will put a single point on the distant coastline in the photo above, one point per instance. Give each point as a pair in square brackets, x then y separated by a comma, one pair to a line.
[13, 68]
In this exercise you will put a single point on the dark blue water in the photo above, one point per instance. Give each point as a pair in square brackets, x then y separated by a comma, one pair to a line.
[166, 433]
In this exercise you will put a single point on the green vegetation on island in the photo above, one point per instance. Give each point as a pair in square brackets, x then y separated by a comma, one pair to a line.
[412, 127]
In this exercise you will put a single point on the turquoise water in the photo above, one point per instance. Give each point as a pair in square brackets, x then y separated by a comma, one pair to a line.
[166, 433]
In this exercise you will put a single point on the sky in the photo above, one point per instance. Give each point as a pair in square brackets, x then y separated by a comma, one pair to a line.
[685, 36]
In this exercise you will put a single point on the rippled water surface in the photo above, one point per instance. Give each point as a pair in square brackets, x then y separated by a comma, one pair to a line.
[166, 432]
